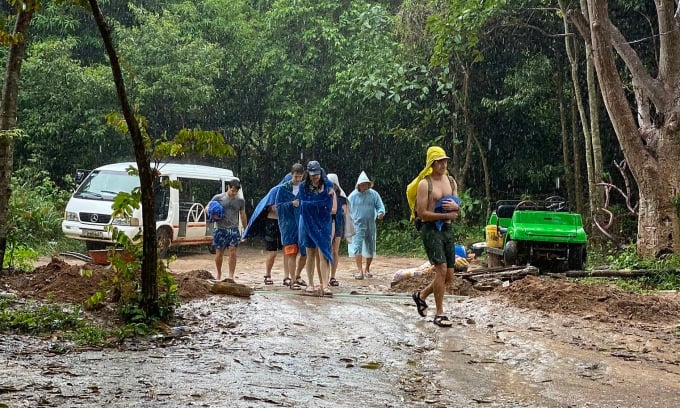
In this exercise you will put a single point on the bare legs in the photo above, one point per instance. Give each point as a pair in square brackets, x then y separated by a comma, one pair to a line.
[324, 269]
[269, 264]
[336, 256]
[363, 271]
[232, 261]
[442, 276]
[219, 256]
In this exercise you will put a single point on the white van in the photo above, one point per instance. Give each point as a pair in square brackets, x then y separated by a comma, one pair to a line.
[180, 214]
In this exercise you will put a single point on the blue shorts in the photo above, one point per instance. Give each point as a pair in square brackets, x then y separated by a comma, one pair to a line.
[224, 238]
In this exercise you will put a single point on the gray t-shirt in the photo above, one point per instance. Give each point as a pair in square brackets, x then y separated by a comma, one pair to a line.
[232, 208]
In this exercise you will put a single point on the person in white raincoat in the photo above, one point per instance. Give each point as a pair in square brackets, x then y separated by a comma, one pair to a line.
[366, 206]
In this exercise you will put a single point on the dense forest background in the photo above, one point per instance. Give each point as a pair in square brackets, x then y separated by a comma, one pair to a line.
[357, 85]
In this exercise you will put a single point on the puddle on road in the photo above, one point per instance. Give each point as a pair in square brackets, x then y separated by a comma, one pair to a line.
[282, 349]
[273, 349]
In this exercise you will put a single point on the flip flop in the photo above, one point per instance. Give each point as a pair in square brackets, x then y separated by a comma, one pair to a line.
[268, 280]
[333, 282]
[442, 321]
[420, 304]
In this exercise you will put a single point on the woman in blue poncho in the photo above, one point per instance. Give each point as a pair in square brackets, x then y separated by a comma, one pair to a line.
[317, 203]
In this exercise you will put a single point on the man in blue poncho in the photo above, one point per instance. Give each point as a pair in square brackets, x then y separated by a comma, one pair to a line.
[264, 224]
[288, 210]
[366, 206]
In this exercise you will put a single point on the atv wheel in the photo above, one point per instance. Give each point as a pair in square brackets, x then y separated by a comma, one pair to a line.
[510, 253]
[577, 257]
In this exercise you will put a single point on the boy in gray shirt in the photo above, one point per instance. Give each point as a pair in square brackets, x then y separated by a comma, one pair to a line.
[226, 233]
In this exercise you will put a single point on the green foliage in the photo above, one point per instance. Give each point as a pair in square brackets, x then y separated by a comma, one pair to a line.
[664, 275]
[34, 219]
[20, 257]
[399, 238]
[64, 322]
[36, 319]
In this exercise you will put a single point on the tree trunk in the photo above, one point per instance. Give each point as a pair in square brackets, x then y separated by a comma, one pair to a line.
[150, 255]
[596, 193]
[577, 154]
[651, 146]
[8, 115]
[571, 48]
[566, 140]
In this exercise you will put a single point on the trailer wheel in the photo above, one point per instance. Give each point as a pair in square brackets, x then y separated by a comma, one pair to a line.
[164, 239]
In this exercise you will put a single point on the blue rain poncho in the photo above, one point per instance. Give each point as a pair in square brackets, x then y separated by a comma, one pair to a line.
[315, 217]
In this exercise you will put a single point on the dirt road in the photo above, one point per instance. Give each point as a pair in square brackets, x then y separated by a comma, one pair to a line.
[365, 346]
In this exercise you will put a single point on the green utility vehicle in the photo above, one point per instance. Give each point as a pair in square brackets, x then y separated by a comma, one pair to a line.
[545, 234]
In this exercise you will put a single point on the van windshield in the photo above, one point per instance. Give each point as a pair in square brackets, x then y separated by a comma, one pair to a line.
[105, 185]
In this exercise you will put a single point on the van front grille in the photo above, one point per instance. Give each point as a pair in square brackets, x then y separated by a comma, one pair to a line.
[94, 218]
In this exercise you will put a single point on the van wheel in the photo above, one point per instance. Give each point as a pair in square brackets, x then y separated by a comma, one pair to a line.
[94, 245]
[164, 238]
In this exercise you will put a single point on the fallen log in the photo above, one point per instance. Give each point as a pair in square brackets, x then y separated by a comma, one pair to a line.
[231, 288]
[614, 273]
[490, 271]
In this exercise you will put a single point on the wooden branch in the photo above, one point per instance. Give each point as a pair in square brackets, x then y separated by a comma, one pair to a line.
[653, 87]
[578, 19]
[669, 41]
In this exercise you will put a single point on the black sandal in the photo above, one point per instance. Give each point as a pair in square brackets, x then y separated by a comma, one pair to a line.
[268, 280]
[420, 304]
[300, 282]
[286, 282]
[442, 321]
[333, 282]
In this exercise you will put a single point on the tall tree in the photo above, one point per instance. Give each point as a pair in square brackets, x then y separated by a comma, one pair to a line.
[589, 115]
[149, 301]
[646, 124]
[8, 106]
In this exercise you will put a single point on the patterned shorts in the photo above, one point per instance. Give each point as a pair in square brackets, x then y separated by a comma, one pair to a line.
[224, 238]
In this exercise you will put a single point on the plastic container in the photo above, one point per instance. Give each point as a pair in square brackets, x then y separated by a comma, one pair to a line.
[493, 238]
[460, 251]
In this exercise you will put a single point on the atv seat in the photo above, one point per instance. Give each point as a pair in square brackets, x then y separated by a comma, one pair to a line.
[505, 211]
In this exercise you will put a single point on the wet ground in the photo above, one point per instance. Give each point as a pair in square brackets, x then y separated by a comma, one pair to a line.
[365, 346]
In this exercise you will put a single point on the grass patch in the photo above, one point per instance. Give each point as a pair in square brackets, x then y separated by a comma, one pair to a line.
[65, 322]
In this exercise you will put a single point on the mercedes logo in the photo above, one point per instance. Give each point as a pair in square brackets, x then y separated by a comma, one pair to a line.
[94, 218]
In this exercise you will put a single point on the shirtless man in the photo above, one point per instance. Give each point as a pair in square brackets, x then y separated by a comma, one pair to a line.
[436, 207]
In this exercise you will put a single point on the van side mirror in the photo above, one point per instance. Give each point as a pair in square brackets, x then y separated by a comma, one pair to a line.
[80, 175]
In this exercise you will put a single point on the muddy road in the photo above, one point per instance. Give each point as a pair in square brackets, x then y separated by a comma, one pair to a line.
[365, 346]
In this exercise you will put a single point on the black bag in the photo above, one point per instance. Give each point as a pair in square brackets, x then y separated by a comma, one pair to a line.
[417, 222]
